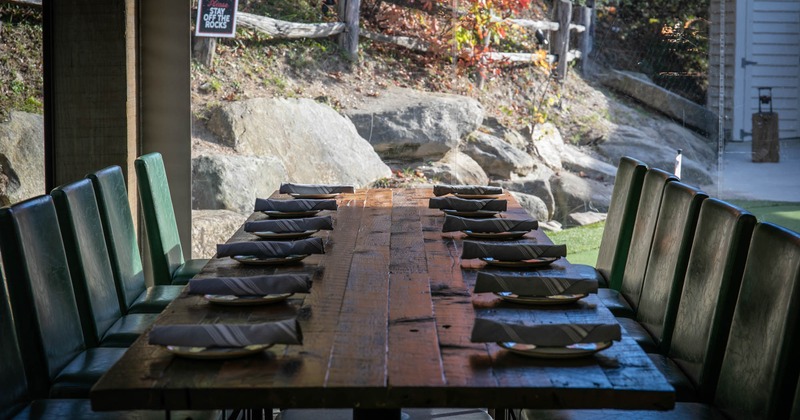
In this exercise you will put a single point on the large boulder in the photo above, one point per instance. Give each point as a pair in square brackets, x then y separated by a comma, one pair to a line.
[536, 184]
[410, 124]
[455, 168]
[657, 144]
[497, 157]
[21, 157]
[233, 182]
[547, 145]
[575, 194]
[313, 142]
[212, 227]
[533, 205]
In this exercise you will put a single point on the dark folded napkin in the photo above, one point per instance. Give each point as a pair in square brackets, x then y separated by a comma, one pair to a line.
[461, 204]
[290, 188]
[290, 225]
[511, 252]
[526, 285]
[545, 335]
[439, 190]
[294, 205]
[272, 249]
[227, 335]
[251, 286]
[455, 223]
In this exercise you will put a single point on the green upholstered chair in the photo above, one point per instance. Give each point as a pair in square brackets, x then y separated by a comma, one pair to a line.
[166, 253]
[617, 233]
[57, 361]
[123, 247]
[90, 269]
[666, 267]
[710, 289]
[759, 367]
[625, 300]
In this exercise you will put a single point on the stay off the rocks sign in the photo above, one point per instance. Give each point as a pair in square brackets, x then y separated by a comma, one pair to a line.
[216, 18]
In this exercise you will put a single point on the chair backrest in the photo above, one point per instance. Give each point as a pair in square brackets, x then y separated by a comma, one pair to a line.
[40, 289]
[666, 267]
[642, 236]
[123, 247]
[760, 369]
[710, 287]
[619, 224]
[89, 265]
[12, 374]
[163, 239]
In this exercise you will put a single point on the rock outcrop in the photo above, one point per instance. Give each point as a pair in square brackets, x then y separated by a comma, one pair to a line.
[409, 124]
[21, 157]
[496, 156]
[233, 182]
[455, 168]
[212, 227]
[313, 142]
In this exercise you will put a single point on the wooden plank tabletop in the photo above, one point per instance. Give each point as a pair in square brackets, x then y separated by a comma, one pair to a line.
[386, 325]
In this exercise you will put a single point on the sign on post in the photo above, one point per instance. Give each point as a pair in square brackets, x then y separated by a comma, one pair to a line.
[216, 18]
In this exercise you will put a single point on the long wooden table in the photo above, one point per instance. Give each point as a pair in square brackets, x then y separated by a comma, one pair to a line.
[386, 325]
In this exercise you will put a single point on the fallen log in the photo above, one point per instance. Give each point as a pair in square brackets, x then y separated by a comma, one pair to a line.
[283, 29]
[403, 41]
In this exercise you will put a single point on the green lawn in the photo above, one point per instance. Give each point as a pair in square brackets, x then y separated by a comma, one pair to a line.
[583, 242]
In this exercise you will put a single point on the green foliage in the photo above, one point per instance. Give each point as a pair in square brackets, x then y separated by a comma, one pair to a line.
[21, 78]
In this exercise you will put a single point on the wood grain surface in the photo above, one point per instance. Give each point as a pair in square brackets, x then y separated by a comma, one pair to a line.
[386, 325]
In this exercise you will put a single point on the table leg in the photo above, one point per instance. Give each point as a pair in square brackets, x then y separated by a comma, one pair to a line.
[376, 414]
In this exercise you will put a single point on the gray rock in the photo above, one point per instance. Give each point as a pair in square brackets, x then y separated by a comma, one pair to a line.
[21, 157]
[212, 227]
[640, 143]
[313, 142]
[550, 226]
[513, 137]
[662, 100]
[533, 205]
[575, 160]
[455, 168]
[547, 145]
[404, 123]
[537, 184]
[233, 182]
[497, 157]
[585, 218]
[575, 194]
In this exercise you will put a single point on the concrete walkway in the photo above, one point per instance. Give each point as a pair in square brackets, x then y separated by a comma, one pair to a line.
[743, 179]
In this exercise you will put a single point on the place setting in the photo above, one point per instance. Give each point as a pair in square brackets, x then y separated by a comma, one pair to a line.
[314, 191]
[529, 289]
[271, 252]
[471, 208]
[290, 209]
[547, 341]
[495, 229]
[470, 192]
[514, 255]
[288, 229]
[224, 341]
[247, 291]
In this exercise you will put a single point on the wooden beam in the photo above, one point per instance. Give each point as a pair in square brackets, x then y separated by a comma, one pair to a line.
[544, 25]
[560, 46]
[403, 41]
[283, 29]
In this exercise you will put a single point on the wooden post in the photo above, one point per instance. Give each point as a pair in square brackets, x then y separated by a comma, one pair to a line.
[561, 44]
[587, 20]
[204, 49]
[349, 15]
[766, 147]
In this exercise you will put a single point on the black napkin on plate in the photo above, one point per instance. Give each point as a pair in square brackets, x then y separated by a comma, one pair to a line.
[462, 204]
[289, 188]
[251, 286]
[545, 335]
[269, 204]
[439, 190]
[511, 252]
[290, 225]
[227, 335]
[455, 223]
[531, 285]
[272, 249]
